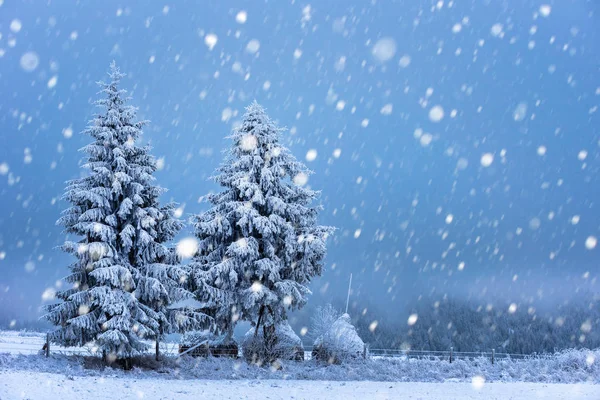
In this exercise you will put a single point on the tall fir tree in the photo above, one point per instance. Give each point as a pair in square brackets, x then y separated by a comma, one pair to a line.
[124, 277]
[259, 243]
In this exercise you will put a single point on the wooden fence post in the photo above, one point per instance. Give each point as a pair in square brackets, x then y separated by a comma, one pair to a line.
[493, 355]
[47, 345]
[451, 352]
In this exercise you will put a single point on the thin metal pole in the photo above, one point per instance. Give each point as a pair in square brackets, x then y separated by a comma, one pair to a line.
[348, 298]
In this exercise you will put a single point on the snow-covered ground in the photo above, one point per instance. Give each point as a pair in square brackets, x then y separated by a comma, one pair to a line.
[37, 385]
[573, 374]
[567, 367]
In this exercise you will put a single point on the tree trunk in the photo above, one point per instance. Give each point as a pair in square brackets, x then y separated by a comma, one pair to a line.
[270, 341]
[228, 335]
[260, 314]
[157, 345]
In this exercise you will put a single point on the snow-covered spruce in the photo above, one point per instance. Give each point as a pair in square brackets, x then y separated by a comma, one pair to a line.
[124, 277]
[260, 244]
[288, 345]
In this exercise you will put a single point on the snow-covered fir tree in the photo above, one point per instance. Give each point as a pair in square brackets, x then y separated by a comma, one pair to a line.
[124, 277]
[259, 243]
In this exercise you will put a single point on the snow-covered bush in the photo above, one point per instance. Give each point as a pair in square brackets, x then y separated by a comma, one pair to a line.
[339, 343]
[322, 319]
[287, 345]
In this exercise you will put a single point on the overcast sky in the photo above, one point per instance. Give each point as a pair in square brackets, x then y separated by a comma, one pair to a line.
[456, 144]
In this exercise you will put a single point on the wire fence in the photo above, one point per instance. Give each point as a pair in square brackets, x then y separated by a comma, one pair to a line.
[28, 343]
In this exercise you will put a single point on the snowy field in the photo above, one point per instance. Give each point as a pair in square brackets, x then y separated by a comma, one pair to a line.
[36, 385]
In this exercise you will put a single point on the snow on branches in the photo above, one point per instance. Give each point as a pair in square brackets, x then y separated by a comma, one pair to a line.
[259, 243]
[124, 277]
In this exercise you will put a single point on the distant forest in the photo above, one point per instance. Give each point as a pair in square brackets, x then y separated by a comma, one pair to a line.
[467, 326]
[464, 325]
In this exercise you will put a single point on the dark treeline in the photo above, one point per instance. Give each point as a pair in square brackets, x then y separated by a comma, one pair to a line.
[463, 324]
[469, 326]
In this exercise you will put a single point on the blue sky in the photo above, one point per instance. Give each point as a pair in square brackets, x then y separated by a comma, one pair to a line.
[418, 208]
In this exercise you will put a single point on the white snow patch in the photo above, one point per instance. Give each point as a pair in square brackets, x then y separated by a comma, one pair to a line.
[477, 382]
[68, 132]
[545, 10]
[29, 61]
[253, 46]
[211, 40]
[49, 294]
[387, 109]
[404, 61]
[541, 151]
[301, 179]
[16, 25]
[187, 247]
[534, 223]
[29, 266]
[436, 113]
[311, 155]
[226, 114]
[591, 242]
[373, 326]
[520, 112]
[462, 163]
[487, 159]
[384, 49]
[426, 139]
[52, 82]
[241, 17]
[412, 319]
[38, 385]
[248, 142]
[496, 29]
